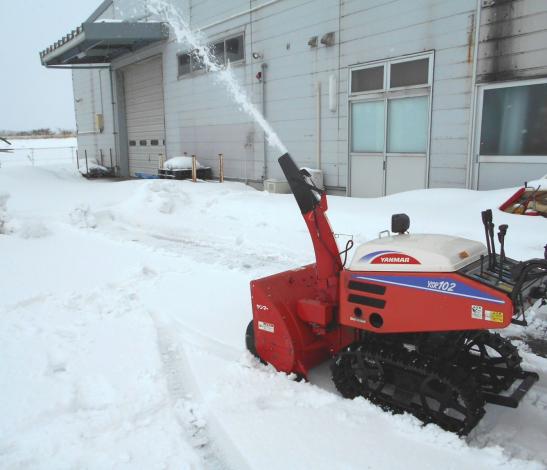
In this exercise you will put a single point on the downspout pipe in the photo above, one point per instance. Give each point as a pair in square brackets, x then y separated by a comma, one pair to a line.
[470, 175]
[263, 67]
[318, 124]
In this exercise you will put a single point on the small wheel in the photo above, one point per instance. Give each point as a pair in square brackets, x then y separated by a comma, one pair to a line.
[250, 340]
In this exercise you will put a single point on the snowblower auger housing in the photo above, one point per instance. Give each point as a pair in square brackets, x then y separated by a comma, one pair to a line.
[407, 323]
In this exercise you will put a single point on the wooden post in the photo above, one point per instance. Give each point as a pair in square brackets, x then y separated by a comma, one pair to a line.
[77, 160]
[111, 161]
[86, 164]
[101, 154]
[194, 169]
[221, 168]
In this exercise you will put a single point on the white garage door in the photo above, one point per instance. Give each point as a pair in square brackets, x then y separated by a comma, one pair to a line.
[145, 116]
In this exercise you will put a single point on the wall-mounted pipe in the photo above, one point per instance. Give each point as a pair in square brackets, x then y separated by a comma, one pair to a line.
[318, 129]
[263, 67]
[333, 94]
[471, 177]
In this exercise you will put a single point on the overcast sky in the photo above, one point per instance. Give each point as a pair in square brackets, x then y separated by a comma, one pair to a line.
[32, 96]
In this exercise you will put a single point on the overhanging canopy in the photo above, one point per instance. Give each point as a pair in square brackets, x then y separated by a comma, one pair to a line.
[98, 43]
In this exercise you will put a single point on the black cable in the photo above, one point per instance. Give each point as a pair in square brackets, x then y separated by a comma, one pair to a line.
[349, 246]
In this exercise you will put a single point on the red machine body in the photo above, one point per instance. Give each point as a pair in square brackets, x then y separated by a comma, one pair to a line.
[304, 316]
[404, 301]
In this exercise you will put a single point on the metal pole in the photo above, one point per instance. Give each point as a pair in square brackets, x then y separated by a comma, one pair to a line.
[318, 124]
[111, 162]
[263, 68]
[194, 169]
[221, 167]
[101, 154]
[77, 160]
[86, 164]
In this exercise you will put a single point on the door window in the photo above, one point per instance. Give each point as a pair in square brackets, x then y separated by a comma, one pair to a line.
[367, 127]
[407, 125]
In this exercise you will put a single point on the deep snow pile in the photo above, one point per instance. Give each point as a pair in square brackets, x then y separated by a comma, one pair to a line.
[122, 317]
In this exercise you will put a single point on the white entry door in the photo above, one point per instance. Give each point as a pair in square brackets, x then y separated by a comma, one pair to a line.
[390, 108]
[388, 145]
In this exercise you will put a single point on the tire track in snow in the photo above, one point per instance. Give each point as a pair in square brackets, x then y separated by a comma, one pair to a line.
[212, 446]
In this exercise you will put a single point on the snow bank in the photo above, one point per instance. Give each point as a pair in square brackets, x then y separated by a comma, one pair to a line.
[180, 163]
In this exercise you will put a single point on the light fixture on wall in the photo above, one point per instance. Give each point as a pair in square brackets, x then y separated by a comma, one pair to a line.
[312, 42]
[257, 55]
[328, 39]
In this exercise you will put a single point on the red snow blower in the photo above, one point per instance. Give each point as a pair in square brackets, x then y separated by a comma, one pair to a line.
[406, 323]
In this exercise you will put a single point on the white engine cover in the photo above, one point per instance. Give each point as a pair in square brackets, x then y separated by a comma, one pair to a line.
[417, 253]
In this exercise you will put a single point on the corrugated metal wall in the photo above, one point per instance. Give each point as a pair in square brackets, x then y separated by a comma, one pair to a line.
[513, 40]
[92, 96]
[373, 30]
[201, 118]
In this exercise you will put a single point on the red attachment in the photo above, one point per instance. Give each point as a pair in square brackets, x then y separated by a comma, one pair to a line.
[327, 258]
[292, 310]
[315, 311]
[282, 337]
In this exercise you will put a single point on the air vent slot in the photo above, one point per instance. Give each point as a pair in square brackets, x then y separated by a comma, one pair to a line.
[366, 287]
[368, 301]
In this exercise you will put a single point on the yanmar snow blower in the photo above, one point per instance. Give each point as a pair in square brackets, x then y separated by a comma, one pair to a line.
[406, 324]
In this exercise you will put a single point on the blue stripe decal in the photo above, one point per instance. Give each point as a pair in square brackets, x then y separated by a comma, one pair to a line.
[439, 285]
[374, 254]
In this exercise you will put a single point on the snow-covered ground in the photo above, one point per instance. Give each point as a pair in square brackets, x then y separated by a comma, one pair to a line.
[122, 317]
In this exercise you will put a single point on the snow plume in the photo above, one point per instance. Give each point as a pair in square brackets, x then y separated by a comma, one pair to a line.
[223, 75]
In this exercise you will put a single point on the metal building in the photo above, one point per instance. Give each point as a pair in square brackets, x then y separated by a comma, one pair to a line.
[381, 95]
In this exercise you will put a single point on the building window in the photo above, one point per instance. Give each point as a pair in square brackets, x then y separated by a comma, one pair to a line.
[368, 79]
[154, 142]
[392, 74]
[184, 64]
[217, 51]
[407, 124]
[409, 73]
[132, 143]
[228, 50]
[234, 49]
[142, 143]
[390, 106]
[514, 120]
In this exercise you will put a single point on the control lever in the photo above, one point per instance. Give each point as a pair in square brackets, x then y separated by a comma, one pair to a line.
[485, 215]
[489, 229]
[501, 238]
